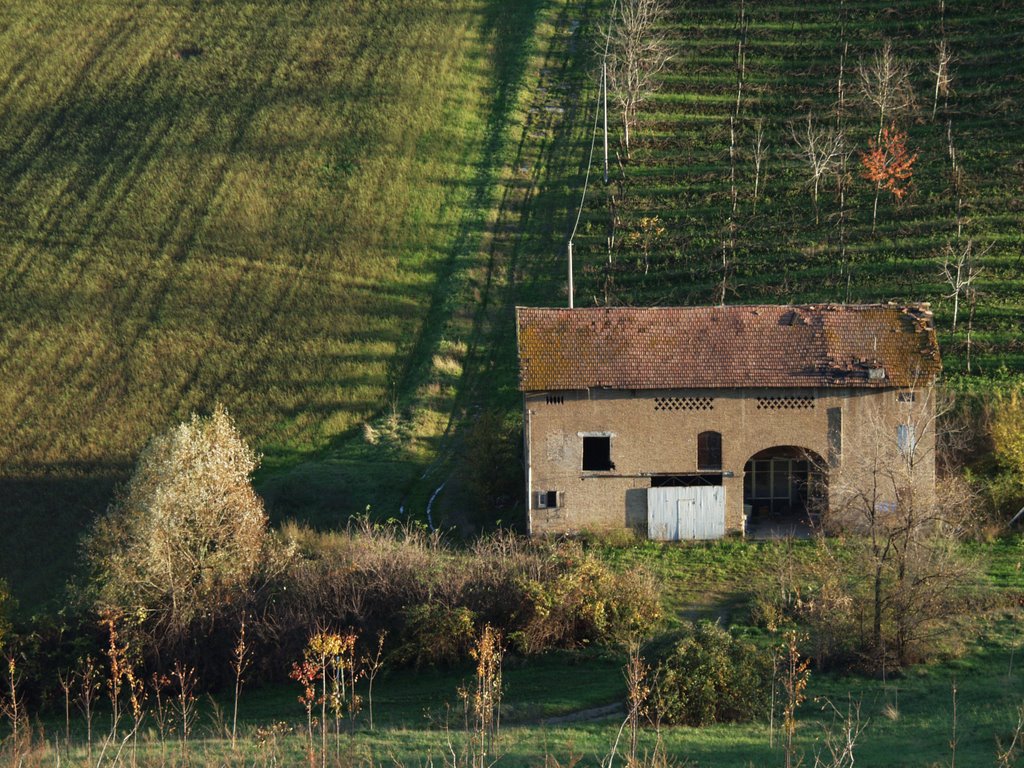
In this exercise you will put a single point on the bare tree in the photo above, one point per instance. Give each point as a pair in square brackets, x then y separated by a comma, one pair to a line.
[741, 71]
[841, 80]
[741, 57]
[842, 173]
[903, 522]
[821, 149]
[959, 271]
[972, 301]
[885, 85]
[943, 75]
[838, 743]
[637, 52]
[759, 153]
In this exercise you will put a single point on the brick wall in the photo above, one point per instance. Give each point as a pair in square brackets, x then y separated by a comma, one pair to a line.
[655, 432]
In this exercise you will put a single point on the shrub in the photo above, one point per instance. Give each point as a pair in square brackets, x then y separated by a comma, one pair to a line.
[711, 677]
[1003, 488]
[1007, 426]
[431, 595]
[584, 602]
[436, 634]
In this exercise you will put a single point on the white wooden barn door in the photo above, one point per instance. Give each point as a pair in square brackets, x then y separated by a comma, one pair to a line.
[695, 512]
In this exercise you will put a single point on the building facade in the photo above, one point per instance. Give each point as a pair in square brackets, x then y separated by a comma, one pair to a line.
[693, 422]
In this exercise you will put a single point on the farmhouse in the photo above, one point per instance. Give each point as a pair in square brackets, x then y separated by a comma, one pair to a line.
[693, 422]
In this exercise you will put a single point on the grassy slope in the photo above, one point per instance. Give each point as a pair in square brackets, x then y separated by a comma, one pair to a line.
[680, 167]
[264, 204]
[411, 710]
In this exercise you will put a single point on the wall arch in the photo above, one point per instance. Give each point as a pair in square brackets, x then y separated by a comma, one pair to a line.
[785, 482]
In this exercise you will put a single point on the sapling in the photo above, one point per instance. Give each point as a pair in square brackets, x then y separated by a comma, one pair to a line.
[66, 678]
[88, 685]
[10, 704]
[373, 665]
[796, 674]
[185, 701]
[117, 660]
[240, 661]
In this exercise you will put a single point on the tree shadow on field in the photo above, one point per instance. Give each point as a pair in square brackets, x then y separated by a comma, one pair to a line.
[43, 515]
[510, 27]
[342, 480]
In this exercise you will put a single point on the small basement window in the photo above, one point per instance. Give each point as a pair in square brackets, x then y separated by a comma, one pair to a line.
[709, 450]
[546, 500]
[597, 454]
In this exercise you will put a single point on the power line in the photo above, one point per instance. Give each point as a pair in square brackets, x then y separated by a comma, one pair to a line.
[593, 143]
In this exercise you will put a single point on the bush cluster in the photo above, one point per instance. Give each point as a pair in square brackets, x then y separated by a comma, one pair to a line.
[709, 676]
[432, 596]
[185, 553]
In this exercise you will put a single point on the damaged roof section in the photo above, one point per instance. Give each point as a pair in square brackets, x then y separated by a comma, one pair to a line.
[824, 345]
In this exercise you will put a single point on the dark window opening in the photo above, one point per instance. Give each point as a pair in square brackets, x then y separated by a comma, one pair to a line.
[597, 454]
[709, 450]
[835, 436]
[555, 399]
[905, 397]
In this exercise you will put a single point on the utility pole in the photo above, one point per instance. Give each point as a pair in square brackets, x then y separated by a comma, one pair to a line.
[604, 88]
[570, 274]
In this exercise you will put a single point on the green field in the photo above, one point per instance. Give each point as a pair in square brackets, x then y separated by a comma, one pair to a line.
[321, 214]
[273, 205]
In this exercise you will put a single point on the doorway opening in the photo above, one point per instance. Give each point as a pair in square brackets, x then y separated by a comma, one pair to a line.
[783, 486]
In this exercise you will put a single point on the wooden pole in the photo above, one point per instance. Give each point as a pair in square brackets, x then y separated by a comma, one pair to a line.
[570, 275]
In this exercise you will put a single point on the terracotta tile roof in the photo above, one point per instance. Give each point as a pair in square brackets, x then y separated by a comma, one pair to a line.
[826, 345]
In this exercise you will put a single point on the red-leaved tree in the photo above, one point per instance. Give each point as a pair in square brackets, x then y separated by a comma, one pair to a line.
[889, 165]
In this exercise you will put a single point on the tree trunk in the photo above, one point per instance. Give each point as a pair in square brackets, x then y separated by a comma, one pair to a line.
[874, 211]
[876, 630]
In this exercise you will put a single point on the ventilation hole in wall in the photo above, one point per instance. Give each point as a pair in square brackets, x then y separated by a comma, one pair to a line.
[785, 403]
[684, 403]
[555, 399]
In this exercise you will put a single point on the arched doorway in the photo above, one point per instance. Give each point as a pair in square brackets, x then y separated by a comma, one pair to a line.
[783, 486]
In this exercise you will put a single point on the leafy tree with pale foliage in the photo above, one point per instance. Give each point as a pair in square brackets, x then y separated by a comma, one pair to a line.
[1008, 432]
[187, 534]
